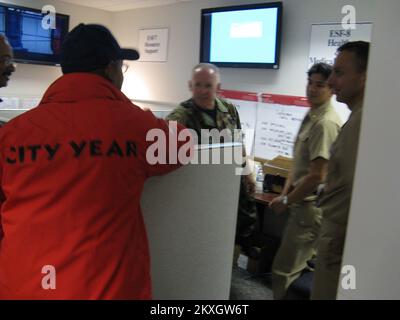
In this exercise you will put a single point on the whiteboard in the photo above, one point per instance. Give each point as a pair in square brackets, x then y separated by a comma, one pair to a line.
[246, 104]
[278, 122]
[270, 122]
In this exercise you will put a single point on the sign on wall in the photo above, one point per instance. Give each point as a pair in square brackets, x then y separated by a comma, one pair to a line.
[153, 44]
[327, 38]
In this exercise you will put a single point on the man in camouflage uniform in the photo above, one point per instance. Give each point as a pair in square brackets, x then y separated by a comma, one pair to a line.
[318, 131]
[207, 111]
[348, 82]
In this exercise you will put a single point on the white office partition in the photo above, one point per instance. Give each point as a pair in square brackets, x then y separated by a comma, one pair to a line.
[371, 254]
[190, 217]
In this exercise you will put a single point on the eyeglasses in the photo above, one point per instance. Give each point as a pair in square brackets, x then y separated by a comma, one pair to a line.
[124, 67]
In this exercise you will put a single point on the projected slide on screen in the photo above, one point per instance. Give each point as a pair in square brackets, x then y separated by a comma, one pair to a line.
[244, 36]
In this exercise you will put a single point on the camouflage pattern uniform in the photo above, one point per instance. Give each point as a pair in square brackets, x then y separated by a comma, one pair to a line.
[227, 117]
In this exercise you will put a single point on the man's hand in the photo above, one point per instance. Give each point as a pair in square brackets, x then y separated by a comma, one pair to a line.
[277, 205]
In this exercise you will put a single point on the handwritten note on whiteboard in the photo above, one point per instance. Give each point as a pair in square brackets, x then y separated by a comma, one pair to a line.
[278, 122]
[246, 105]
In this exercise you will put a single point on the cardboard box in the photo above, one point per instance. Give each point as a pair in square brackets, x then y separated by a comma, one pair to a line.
[279, 166]
[275, 173]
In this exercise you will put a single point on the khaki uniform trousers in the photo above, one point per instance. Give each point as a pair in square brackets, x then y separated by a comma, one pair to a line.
[327, 270]
[298, 245]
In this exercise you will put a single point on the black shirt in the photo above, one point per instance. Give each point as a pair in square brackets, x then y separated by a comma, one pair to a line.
[212, 113]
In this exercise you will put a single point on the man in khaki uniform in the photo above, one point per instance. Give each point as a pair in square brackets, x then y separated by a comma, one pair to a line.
[348, 82]
[318, 131]
[207, 111]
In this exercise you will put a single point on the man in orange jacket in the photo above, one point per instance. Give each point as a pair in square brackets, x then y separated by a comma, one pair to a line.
[72, 172]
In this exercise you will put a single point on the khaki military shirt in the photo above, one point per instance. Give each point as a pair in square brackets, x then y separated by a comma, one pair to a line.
[336, 200]
[191, 116]
[317, 133]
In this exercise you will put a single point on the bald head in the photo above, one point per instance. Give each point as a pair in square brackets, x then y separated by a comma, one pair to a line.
[204, 85]
[207, 68]
[6, 65]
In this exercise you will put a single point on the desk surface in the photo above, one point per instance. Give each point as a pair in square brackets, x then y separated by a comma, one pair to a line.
[264, 197]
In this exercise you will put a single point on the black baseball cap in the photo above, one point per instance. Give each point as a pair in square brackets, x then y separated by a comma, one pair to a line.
[88, 47]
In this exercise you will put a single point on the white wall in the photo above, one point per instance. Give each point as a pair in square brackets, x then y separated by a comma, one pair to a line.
[373, 234]
[32, 80]
[168, 81]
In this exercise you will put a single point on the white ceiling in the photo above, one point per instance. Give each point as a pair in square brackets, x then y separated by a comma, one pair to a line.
[119, 5]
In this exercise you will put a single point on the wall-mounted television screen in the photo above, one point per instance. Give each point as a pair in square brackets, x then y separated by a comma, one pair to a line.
[246, 36]
[31, 42]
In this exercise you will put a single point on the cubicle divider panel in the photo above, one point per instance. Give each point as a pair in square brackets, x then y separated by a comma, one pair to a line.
[190, 217]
